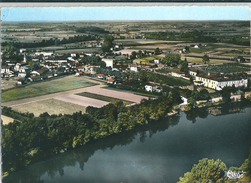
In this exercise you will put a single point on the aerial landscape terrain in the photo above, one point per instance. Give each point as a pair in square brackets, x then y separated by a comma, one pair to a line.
[131, 101]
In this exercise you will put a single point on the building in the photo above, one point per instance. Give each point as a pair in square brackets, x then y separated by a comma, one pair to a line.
[151, 87]
[100, 76]
[41, 71]
[177, 74]
[156, 60]
[5, 69]
[217, 81]
[133, 67]
[108, 62]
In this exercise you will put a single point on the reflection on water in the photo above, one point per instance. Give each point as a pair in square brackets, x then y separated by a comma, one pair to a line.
[158, 152]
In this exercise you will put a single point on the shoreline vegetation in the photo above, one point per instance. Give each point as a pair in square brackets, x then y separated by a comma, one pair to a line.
[47, 135]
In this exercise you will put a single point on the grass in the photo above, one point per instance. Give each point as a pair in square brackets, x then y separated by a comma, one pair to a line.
[167, 70]
[130, 91]
[103, 98]
[198, 50]
[146, 59]
[44, 88]
[200, 60]
[51, 106]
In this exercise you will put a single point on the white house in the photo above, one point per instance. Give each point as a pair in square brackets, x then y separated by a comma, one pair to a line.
[73, 54]
[21, 74]
[151, 87]
[133, 67]
[156, 60]
[108, 62]
[5, 69]
[44, 53]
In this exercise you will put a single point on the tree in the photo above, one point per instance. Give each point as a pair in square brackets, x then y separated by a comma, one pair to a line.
[133, 55]
[207, 170]
[157, 51]
[205, 58]
[184, 67]
[107, 45]
[171, 60]
[226, 94]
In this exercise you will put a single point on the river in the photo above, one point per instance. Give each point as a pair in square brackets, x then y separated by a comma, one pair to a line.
[157, 152]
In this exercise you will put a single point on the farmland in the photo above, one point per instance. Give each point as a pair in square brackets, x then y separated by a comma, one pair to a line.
[51, 106]
[104, 98]
[226, 68]
[44, 88]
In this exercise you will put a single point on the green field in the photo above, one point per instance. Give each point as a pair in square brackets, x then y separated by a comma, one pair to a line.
[44, 88]
[167, 70]
[103, 98]
[226, 68]
[198, 50]
[51, 106]
[145, 60]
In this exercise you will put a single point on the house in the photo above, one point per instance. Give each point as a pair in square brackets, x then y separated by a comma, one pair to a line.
[35, 78]
[133, 67]
[100, 76]
[177, 74]
[235, 97]
[110, 81]
[151, 87]
[73, 54]
[44, 53]
[193, 72]
[108, 62]
[218, 81]
[196, 46]
[156, 60]
[21, 74]
[5, 69]
[41, 71]
[79, 73]
[80, 68]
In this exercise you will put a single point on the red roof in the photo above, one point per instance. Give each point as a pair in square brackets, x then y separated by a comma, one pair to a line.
[133, 65]
[110, 79]
[100, 74]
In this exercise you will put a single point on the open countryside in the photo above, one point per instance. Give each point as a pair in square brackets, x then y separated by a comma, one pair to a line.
[80, 85]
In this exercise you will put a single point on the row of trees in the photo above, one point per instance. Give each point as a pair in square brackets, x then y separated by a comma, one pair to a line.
[35, 138]
[49, 42]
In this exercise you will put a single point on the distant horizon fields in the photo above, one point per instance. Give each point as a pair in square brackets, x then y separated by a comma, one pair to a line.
[120, 21]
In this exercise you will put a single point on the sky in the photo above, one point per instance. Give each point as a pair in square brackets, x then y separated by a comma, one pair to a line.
[126, 13]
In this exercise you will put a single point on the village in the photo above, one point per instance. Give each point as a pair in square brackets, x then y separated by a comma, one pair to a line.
[156, 96]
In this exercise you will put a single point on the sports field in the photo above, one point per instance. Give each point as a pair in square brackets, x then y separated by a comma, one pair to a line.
[51, 106]
[43, 88]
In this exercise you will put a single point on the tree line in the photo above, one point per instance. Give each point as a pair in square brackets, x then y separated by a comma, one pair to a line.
[50, 42]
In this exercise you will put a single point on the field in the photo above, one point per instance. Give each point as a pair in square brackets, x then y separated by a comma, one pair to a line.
[225, 68]
[51, 106]
[63, 84]
[167, 70]
[104, 98]
[145, 60]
